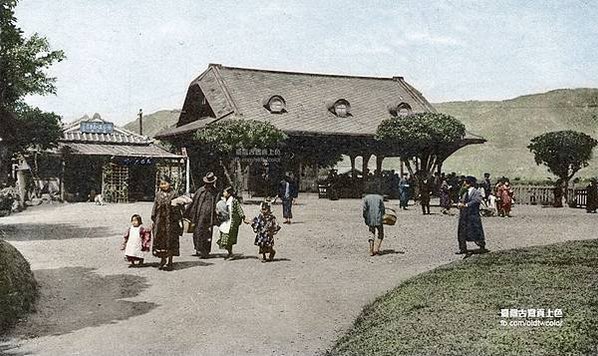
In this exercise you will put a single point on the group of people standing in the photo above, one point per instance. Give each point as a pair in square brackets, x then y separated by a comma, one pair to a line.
[208, 208]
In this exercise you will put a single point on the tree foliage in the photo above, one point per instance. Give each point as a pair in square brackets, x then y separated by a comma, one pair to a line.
[224, 139]
[421, 135]
[23, 61]
[563, 152]
[23, 65]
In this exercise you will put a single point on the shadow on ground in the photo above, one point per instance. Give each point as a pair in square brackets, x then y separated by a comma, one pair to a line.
[73, 298]
[34, 232]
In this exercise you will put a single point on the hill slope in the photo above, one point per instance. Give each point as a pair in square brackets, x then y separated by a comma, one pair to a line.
[155, 122]
[510, 124]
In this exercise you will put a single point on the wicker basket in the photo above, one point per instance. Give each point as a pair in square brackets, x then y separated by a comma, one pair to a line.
[390, 217]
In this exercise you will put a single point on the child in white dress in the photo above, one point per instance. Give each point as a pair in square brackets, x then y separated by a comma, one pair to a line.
[137, 241]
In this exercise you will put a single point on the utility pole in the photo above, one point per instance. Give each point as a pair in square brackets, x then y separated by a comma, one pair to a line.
[140, 115]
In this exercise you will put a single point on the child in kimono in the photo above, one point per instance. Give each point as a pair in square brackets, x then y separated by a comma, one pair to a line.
[265, 227]
[137, 242]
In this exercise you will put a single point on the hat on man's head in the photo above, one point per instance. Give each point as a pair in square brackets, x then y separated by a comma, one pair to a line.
[471, 180]
[209, 178]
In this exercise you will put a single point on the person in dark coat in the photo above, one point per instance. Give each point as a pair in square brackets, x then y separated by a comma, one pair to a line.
[425, 190]
[202, 213]
[373, 215]
[592, 200]
[470, 223]
[404, 192]
[487, 185]
[287, 192]
[167, 225]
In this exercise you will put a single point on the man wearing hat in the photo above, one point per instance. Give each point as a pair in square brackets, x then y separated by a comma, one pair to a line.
[470, 223]
[202, 213]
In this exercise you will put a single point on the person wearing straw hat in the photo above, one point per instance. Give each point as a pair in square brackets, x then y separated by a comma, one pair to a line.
[470, 223]
[202, 213]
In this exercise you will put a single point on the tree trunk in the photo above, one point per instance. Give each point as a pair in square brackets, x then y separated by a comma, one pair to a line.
[226, 172]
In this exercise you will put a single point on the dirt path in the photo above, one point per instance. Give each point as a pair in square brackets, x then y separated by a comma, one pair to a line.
[92, 304]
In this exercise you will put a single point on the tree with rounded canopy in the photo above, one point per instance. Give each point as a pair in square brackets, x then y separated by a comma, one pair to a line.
[23, 65]
[421, 136]
[564, 153]
[224, 140]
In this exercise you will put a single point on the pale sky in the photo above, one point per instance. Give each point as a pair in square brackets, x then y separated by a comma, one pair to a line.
[123, 55]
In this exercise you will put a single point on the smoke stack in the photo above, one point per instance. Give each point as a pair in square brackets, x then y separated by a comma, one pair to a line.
[140, 121]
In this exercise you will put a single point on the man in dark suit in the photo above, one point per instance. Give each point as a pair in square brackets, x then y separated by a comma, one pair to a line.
[470, 223]
[287, 192]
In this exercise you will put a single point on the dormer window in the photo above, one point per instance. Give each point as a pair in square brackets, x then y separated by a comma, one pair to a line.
[401, 109]
[275, 104]
[341, 108]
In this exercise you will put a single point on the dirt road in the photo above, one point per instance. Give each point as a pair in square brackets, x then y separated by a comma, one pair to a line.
[93, 304]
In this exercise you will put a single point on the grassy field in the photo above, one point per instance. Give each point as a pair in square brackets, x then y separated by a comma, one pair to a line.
[456, 309]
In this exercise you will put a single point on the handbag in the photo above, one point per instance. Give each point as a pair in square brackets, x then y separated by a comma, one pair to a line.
[390, 217]
[188, 226]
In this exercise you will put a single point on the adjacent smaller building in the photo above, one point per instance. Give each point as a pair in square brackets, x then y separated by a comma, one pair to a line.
[96, 157]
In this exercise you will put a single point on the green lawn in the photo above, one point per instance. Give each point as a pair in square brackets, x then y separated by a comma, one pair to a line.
[456, 309]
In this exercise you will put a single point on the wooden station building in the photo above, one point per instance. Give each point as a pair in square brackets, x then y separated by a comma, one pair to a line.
[314, 110]
[96, 157]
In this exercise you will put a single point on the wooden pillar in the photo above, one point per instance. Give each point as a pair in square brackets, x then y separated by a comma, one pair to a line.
[379, 160]
[352, 159]
[366, 159]
[402, 167]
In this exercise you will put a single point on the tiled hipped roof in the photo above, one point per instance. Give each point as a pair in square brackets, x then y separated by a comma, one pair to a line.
[239, 93]
[72, 133]
[118, 143]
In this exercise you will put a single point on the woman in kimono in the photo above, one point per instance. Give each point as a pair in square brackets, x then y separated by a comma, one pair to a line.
[167, 227]
[505, 194]
[445, 197]
[229, 227]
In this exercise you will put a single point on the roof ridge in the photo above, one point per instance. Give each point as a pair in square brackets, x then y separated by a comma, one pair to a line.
[304, 73]
[414, 93]
[221, 82]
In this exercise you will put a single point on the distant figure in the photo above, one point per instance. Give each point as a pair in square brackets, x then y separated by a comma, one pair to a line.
[505, 194]
[470, 223]
[592, 200]
[425, 190]
[98, 199]
[265, 227]
[445, 196]
[558, 194]
[202, 213]
[404, 192]
[487, 185]
[137, 242]
[373, 214]
[287, 192]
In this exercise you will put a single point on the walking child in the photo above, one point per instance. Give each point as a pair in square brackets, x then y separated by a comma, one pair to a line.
[265, 227]
[137, 241]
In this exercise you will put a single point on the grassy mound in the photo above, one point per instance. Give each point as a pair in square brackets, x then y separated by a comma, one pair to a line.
[18, 289]
[456, 309]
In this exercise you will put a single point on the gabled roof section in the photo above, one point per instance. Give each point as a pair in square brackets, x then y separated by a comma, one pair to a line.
[238, 93]
[72, 133]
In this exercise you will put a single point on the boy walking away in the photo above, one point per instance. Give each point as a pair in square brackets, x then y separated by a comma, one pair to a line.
[373, 214]
[265, 227]
[425, 190]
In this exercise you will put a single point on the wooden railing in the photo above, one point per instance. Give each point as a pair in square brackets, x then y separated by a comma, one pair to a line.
[544, 195]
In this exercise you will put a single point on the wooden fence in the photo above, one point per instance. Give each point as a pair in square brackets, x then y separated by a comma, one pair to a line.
[543, 195]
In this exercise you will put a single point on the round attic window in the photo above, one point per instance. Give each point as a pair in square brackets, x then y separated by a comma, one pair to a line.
[275, 104]
[401, 109]
[342, 108]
